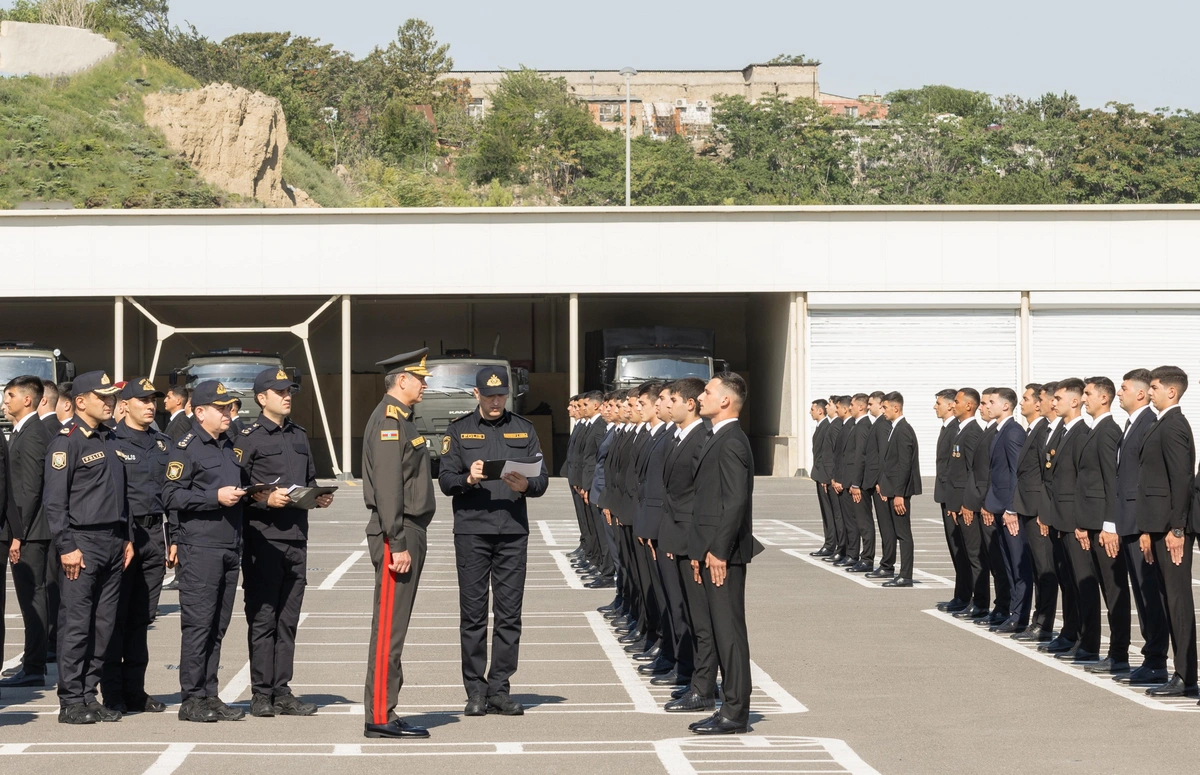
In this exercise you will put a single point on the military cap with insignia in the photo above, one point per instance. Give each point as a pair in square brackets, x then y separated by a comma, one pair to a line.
[96, 382]
[492, 381]
[140, 388]
[273, 378]
[211, 392]
[412, 363]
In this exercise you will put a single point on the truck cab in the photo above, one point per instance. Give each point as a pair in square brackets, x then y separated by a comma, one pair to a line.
[20, 358]
[622, 358]
[235, 368]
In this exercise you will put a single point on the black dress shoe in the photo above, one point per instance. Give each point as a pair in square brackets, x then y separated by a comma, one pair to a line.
[720, 726]
[633, 636]
[1144, 676]
[476, 706]
[1109, 666]
[861, 567]
[835, 557]
[846, 562]
[1081, 655]
[23, 679]
[881, 573]
[1009, 626]
[1035, 634]
[196, 709]
[899, 581]
[639, 648]
[503, 705]
[951, 603]
[291, 705]
[1057, 646]
[601, 583]
[690, 702]
[621, 621]
[971, 612]
[671, 679]
[394, 728]
[649, 655]
[992, 619]
[77, 713]
[660, 666]
[1173, 688]
[822, 552]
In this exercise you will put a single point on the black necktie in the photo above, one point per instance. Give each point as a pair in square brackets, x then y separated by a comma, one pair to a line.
[1127, 425]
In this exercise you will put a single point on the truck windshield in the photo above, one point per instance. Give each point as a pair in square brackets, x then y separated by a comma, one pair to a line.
[663, 367]
[452, 377]
[235, 375]
[19, 365]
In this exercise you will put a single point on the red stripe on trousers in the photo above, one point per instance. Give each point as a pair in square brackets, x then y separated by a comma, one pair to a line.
[383, 637]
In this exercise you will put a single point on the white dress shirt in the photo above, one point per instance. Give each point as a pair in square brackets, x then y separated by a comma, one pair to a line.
[717, 426]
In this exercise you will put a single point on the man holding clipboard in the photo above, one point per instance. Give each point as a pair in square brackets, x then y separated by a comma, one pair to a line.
[490, 466]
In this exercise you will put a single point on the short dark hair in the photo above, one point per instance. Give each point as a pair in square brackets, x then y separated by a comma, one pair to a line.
[49, 392]
[843, 400]
[878, 395]
[29, 384]
[594, 395]
[1171, 376]
[1071, 385]
[821, 403]
[971, 393]
[860, 398]
[1138, 375]
[689, 389]
[235, 400]
[949, 394]
[1036, 387]
[1049, 387]
[651, 388]
[65, 390]
[1006, 394]
[893, 398]
[988, 391]
[1105, 385]
[179, 391]
[735, 383]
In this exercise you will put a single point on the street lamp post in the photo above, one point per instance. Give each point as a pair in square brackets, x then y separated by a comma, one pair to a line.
[627, 72]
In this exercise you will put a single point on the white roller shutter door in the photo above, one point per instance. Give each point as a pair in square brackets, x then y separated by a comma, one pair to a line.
[1109, 343]
[917, 353]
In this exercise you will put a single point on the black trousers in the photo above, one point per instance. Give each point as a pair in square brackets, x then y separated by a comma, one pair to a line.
[902, 525]
[977, 560]
[1087, 590]
[1176, 586]
[29, 582]
[652, 620]
[395, 594]
[827, 524]
[89, 614]
[997, 563]
[958, 557]
[605, 543]
[587, 531]
[839, 520]
[1045, 576]
[1113, 575]
[628, 577]
[866, 526]
[124, 677]
[704, 647]
[490, 566]
[1066, 583]
[207, 585]
[1018, 564]
[887, 533]
[850, 518]
[53, 591]
[727, 606]
[275, 574]
[1147, 597]
[675, 614]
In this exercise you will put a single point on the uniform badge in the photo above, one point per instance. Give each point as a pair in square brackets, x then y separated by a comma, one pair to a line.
[389, 435]
[104, 380]
[58, 460]
[396, 413]
[494, 381]
[474, 436]
[92, 458]
[445, 445]
[237, 453]
[281, 374]
[174, 470]
[220, 389]
[516, 435]
[162, 445]
[147, 384]
[418, 442]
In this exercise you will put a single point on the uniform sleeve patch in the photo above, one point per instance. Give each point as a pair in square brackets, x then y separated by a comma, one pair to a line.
[389, 435]
[59, 460]
[418, 442]
[174, 470]
[479, 436]
[237, 452]
[445, 445]
[162, 445]
[516, 435]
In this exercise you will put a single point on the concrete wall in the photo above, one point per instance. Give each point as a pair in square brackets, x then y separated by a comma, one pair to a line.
[48, 50]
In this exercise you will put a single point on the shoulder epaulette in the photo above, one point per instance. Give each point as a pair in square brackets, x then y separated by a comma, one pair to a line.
[248, 431]
[300, 428]
[396, 413]
[186, 440]
[463, 417]
[66, 430]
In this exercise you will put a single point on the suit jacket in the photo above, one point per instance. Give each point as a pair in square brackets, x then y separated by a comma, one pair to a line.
[854, 452]
[7, 504]
[27, 466]
[652, 490]
[679, 478]
[1128, 465]
[945, 446]
[1027, 497]
[1064, 478]
[602, 450]
[900, 469]
[838, 434]
[820, 434]
[877, 441]
[979, 467]
[1002, 478]
[958, 475]
[1096, 487]
[179, 427]
[53, 426]
[1167, 474]
[613, 471]
[589, 447]
[724, 496]
[631, 472]
[573, 445]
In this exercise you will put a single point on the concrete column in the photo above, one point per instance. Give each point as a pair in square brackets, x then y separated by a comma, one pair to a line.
[1024, 335]
[573, 332]
[118, 339]
[800, 418]
[347, 431]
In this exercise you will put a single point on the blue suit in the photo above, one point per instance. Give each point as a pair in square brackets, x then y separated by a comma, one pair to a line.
[1002, 486]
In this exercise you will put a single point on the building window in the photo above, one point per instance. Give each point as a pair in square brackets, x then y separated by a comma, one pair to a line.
[475, 108]
[610, 112]
[852, 111]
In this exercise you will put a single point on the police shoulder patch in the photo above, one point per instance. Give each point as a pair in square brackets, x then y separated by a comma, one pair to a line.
[389, 435]
[186, 440]
[162, 445]
[237, 452]
[58, 461]
[174, 470]
[445, 445]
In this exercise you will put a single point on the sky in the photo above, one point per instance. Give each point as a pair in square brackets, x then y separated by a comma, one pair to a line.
[1101, 51]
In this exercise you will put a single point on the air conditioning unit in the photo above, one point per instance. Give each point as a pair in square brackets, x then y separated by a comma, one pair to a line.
[681, 103]
[701, 103]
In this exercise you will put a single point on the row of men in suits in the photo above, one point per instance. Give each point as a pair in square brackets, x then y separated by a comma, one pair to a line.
[867, 469]
[663, 478]
[1089, 512]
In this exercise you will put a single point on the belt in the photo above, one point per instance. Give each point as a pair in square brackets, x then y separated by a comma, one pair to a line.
[151, 520]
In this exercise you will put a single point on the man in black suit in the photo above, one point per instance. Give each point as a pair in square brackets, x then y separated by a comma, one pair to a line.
[998, 514]
[943, 407]
[1061, 516]
[1120, 535]
[819, 473]
[1165, 490]
[1095, 503]
[176, 403]
[27, 534]
[721, 544]
[1026, 503]
[585, 553]
[5, 508]
[962, 456]
[848, 557]
[877, 438]
[899, 481]
[979, 534]
[609, 414]
[830, 456]
[594, 428]
[646, 645]
[860, 544]
[679, 480]
[46, 410]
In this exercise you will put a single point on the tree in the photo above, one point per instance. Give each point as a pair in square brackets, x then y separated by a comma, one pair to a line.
[941, 100]
[793, 59]
[420, 60]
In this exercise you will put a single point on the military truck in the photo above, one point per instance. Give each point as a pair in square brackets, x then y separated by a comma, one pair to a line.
[20, 358]
[621, 358]
[450, 394]
[234, 367]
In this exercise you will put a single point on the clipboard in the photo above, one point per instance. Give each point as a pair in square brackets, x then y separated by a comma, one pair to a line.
[257, 488]
[306, 497]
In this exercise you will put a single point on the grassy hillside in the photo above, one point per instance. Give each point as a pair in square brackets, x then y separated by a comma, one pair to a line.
[83, 140]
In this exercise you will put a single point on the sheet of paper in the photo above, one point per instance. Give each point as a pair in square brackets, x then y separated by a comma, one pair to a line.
[528, 470]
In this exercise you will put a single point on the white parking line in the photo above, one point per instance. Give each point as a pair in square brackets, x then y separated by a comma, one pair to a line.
[340, 570]
[170, 760]
[564, 565]
[643, 701]
[547, 534]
